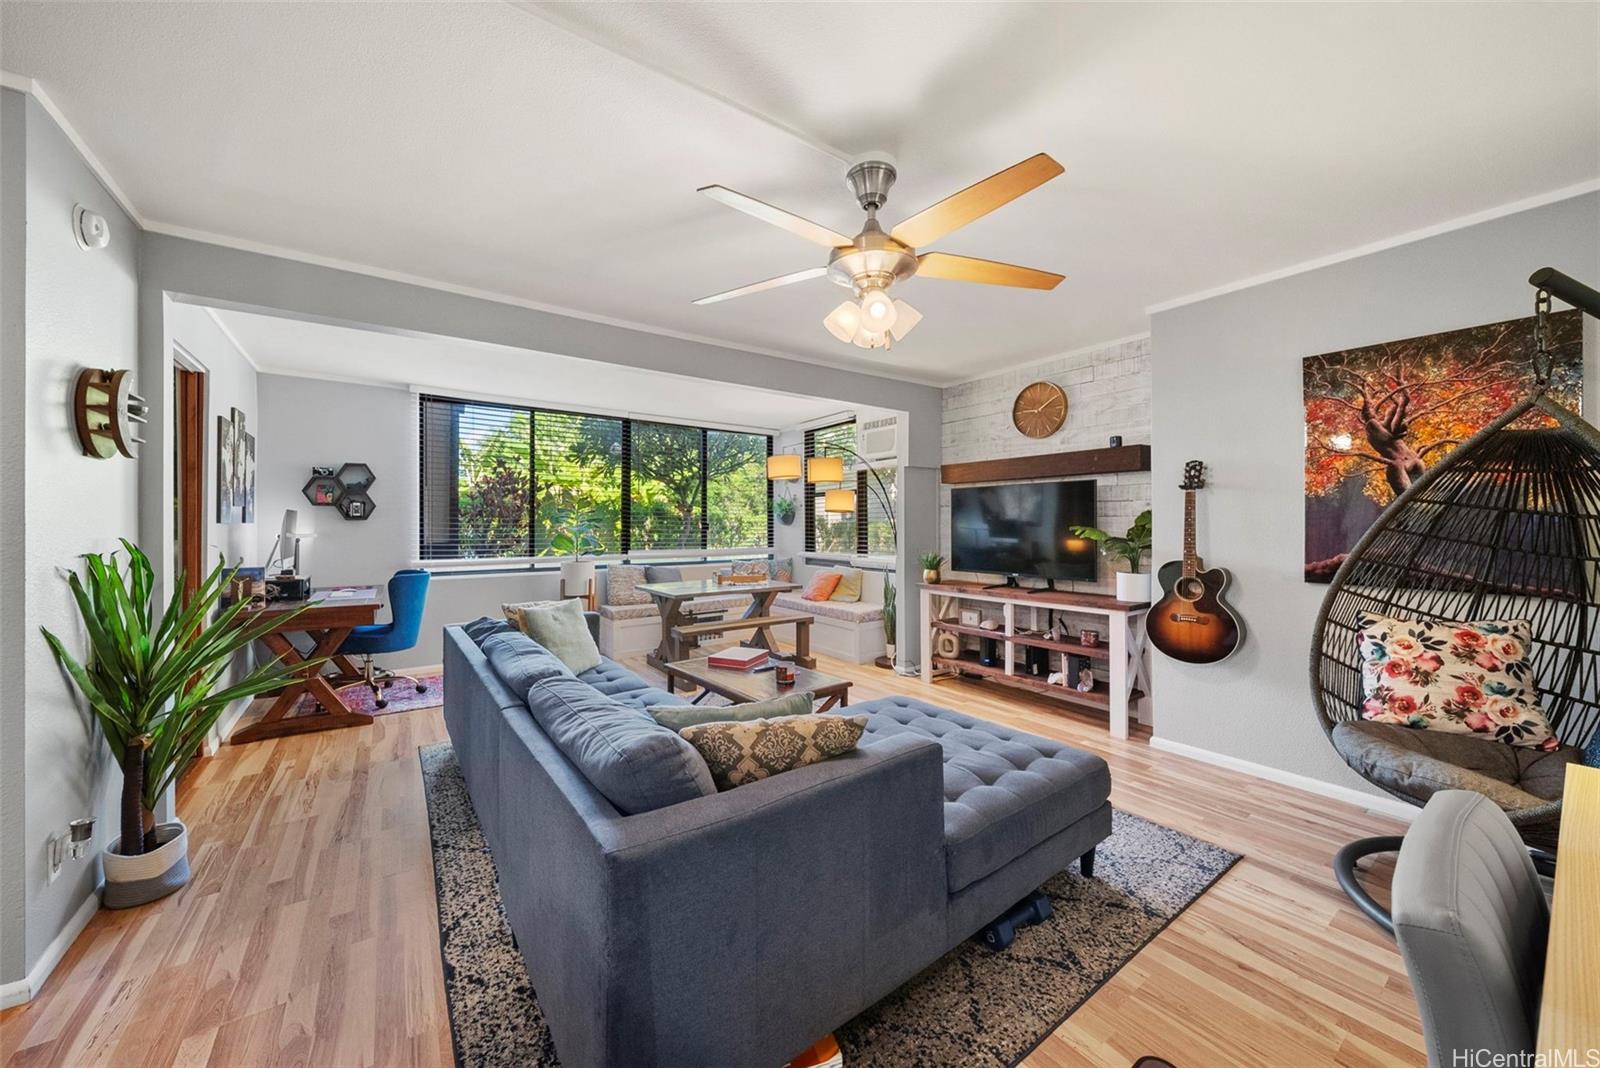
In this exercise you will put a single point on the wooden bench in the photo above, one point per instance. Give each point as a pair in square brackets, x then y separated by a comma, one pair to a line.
[686, 637]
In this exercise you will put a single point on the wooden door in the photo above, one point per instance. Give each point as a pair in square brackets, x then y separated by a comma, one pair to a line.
[189, 389]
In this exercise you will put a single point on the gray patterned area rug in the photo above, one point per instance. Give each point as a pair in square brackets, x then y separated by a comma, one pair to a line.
[971, 1007]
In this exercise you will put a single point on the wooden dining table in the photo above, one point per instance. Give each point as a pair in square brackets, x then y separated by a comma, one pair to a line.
[672, 597]
[326, 619]
[1569, 1007]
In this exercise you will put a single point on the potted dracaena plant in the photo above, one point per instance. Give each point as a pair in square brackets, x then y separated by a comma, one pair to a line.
[155, 687]
[1134, 546]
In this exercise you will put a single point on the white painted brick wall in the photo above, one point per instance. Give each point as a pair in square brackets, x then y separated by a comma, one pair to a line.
[1108, 392]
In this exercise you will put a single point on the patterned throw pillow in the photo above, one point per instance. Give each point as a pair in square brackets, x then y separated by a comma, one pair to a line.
[1464, 678]
[622, 585]
[743, 753]
[821, 586]
[750, 567]
[781, 570]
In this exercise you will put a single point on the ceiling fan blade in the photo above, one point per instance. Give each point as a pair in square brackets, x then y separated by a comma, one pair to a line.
[988, 272]
[975, 201]
[813, 232]
[770, 283]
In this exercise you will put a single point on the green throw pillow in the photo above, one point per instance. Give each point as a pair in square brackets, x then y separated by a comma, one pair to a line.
[559, 626]
[676, 717]
[849, 588]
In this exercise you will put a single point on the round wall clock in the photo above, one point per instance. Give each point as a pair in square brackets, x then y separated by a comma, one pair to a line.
[1040, 409]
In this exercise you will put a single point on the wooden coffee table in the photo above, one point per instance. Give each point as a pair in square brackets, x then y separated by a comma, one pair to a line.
[745, 686]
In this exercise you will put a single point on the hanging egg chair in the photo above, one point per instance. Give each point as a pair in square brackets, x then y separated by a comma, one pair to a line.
[1506, 527]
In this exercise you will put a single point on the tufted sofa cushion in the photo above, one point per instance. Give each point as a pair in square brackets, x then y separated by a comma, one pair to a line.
[622, 685]
[850, 611]
[1004, 791]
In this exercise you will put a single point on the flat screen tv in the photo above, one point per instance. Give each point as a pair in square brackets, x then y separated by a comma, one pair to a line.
[1023, 529]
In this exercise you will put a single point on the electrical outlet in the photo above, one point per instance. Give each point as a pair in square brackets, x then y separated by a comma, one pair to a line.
[56, 851]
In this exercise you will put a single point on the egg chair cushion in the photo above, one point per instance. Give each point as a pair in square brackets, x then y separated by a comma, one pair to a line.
[1462, 678]
[1419, 763]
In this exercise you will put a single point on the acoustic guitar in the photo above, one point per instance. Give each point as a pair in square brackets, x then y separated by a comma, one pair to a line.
[1192, 622]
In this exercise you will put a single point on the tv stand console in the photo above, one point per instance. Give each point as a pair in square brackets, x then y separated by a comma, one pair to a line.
[1118, 660]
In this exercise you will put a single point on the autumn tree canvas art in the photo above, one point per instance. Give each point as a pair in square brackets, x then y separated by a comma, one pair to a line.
[1378, 417]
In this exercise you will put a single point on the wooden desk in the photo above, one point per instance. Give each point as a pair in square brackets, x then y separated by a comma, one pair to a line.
[1569, 1010]
[670, 598]
[328, 621]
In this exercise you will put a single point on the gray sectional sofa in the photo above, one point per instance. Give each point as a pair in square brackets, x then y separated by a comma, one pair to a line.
[737, 928]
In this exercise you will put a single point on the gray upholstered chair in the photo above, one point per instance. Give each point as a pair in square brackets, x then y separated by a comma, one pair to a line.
[1471, 918]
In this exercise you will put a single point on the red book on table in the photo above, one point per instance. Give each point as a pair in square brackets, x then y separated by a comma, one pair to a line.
[740, 659]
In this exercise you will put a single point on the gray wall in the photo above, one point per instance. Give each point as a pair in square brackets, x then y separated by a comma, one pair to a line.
[230, 383]
[1228, 391]
[176, 269]
[79, 309]
[307, 423]
[13, 500]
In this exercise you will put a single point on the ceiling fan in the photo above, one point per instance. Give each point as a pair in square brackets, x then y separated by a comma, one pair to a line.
[872, 261]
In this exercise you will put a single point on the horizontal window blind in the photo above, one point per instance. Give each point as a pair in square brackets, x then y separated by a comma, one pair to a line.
[666, 502]
[827, 532]
[877, 527]
[477, 480]
[577, 483]
[508, 481]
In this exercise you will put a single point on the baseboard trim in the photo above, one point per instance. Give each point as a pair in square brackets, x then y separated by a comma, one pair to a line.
[1387, 806]
[24, 990]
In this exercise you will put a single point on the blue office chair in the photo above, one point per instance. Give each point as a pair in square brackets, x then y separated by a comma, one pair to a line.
[408, 592]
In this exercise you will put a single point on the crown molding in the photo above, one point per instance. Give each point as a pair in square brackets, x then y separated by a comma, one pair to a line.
[24, 84]
[1460, 223]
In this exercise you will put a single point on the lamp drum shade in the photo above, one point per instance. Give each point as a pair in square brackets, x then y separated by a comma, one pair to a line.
[784, 466]
[839, 501]
[825, 469]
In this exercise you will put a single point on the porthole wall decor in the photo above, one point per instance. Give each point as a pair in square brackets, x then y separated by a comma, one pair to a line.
[105, 410]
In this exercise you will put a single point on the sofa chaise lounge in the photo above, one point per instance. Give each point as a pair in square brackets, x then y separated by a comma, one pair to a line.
[736, 928]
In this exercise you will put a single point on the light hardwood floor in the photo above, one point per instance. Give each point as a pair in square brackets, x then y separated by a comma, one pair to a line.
[309, 936]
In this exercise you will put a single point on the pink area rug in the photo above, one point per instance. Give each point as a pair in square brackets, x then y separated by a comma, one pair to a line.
[403, 697]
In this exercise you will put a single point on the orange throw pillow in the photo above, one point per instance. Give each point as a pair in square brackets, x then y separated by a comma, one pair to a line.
[821, 586]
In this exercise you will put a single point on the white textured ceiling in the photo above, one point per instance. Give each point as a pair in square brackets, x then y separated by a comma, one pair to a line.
[551, 153]
[454, 367]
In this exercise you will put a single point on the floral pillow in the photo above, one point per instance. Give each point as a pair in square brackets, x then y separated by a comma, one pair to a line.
[1464, 678]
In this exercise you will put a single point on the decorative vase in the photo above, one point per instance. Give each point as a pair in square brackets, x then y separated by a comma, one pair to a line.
[930, 575]
[1133, 586]
[142, 879]
[576, 577]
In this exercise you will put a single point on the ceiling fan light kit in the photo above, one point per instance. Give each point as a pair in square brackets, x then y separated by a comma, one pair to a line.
[873, 261]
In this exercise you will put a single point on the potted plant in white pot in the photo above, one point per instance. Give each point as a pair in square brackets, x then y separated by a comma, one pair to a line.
[577, 573]
[1134, 546]
[152, 685]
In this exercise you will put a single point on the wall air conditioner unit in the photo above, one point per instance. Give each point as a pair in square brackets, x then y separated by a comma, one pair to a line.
[875, 439]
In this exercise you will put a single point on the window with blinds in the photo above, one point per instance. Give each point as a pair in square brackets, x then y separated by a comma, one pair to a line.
[501, 481]
[828, 532]
[869, 530]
